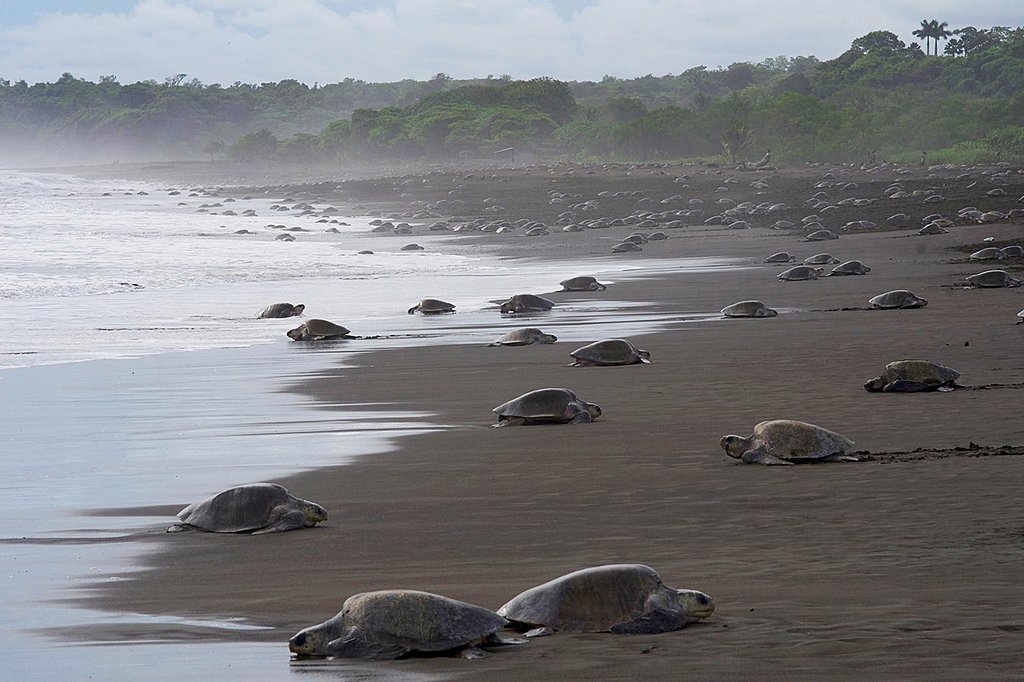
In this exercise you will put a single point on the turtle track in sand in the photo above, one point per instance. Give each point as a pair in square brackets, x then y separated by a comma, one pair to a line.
[918, 454]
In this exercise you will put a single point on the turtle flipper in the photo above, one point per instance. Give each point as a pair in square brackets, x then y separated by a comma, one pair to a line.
[840, 457]
[652, 623]
[906, 386]
[510, 421]
[583, 417]
[353, 646]
[760, 455]
[282, 519]
[543, 631]
[180, 527]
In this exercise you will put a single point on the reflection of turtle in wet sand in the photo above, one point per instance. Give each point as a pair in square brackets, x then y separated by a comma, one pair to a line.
[256, 508]
[787, 441]
[582, 283]
[524, 337]
[899, 298]
[993, 278]
[390, 624]
[618, 598]
[546, 406]
[609, 352]
[281, 310]
[318, 330]
[907, 376]
[526, 303]
[850, 267]
[749, 309]
[799, 273]
[432, 306]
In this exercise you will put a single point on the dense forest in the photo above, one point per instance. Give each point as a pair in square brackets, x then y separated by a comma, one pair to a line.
[881, 98]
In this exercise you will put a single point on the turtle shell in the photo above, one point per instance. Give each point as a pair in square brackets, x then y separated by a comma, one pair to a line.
[821, 259]
[545, 405]
[610, 352]
[388, 624]
[245, 509]
[522, 303]
[616, 598]
[430, 306]
[582, 283]
[315, 330]
[929, 374]
[851, 267]
[990, 253]
[993, 278]
[749, 309]
[899, 298]
[800, 272]
[525, 337]
[281, 310]
[789, 439]
[780, 257]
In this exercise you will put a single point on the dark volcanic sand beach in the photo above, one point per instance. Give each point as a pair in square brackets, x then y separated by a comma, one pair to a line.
[904, 566]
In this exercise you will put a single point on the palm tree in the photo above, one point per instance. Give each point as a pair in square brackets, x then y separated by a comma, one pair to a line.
[925, 33]
[932, 30]
[939, 32]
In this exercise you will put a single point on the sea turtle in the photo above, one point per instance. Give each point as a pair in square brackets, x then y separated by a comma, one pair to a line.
[993, 278]
[432, 306]
[787, 441]
[800, 272]
[821, 235]
[411, 247]
[618, 598]
[989, 253]
[582, 283]
[821, 259]
[281, 310]
[898, 298]
[850, 267]
[906, 376]
[524, 337]
[526, 303]
[622, 247]
[1021, 316]
[390, 624]
[932, 228]
[780, 257]
[1013, 251]
[546, 406]
[609, 352]
[318, 330]
[749, 309]
[255, 508]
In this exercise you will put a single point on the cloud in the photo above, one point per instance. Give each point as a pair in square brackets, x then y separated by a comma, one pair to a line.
[328, 40]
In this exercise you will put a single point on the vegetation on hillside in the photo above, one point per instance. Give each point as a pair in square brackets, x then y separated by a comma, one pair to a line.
[881, 98]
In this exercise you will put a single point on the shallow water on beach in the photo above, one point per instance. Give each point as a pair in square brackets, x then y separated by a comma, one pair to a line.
[117, 396]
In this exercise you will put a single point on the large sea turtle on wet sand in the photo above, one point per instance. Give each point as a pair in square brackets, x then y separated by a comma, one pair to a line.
[787, 441]
[546, 406]
[318, 330]
[780, 257]
[256, 508]
[281, 310]
[582, 283]
[609, 352]
[907, 376]
[799, 273]
[850, 267]
[618, 598]
[526, 303]
[524, 337]
[898, 298]
[390, 624]
[432, 306]
[993, 278]
[749, 309]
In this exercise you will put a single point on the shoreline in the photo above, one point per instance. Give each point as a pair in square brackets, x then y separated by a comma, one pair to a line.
[819, 571]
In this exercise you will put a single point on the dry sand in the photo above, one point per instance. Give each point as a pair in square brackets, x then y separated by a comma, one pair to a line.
[899, 567]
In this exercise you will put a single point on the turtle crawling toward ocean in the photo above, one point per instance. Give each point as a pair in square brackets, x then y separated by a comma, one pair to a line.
[907, 376]
[780, 257]
[256, 508]
[898, 298]
[390, 624]
[281, 310]
[749, 309]
[992, 279]
[821, 259]
[524, 337]
[787, 441]
[546, 406]
[432, 306]
[799, 273]
[618, 598]
[850, 267]
[318, 330]
[526, 303]
[582, 283]
[609, 352]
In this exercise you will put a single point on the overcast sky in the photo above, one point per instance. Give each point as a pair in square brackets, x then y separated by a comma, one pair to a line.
[258, 41]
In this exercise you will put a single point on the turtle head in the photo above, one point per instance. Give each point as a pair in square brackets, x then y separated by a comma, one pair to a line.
[508, 307]
[767, 312]
[921, 302]
[696, 604]
[297, 334]
[312, 512]
[734, 446]
[875, 385]
[416, 307]
[298, 308]
[594, 410]
[312, 641]
[548, 338]
[600, 287]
